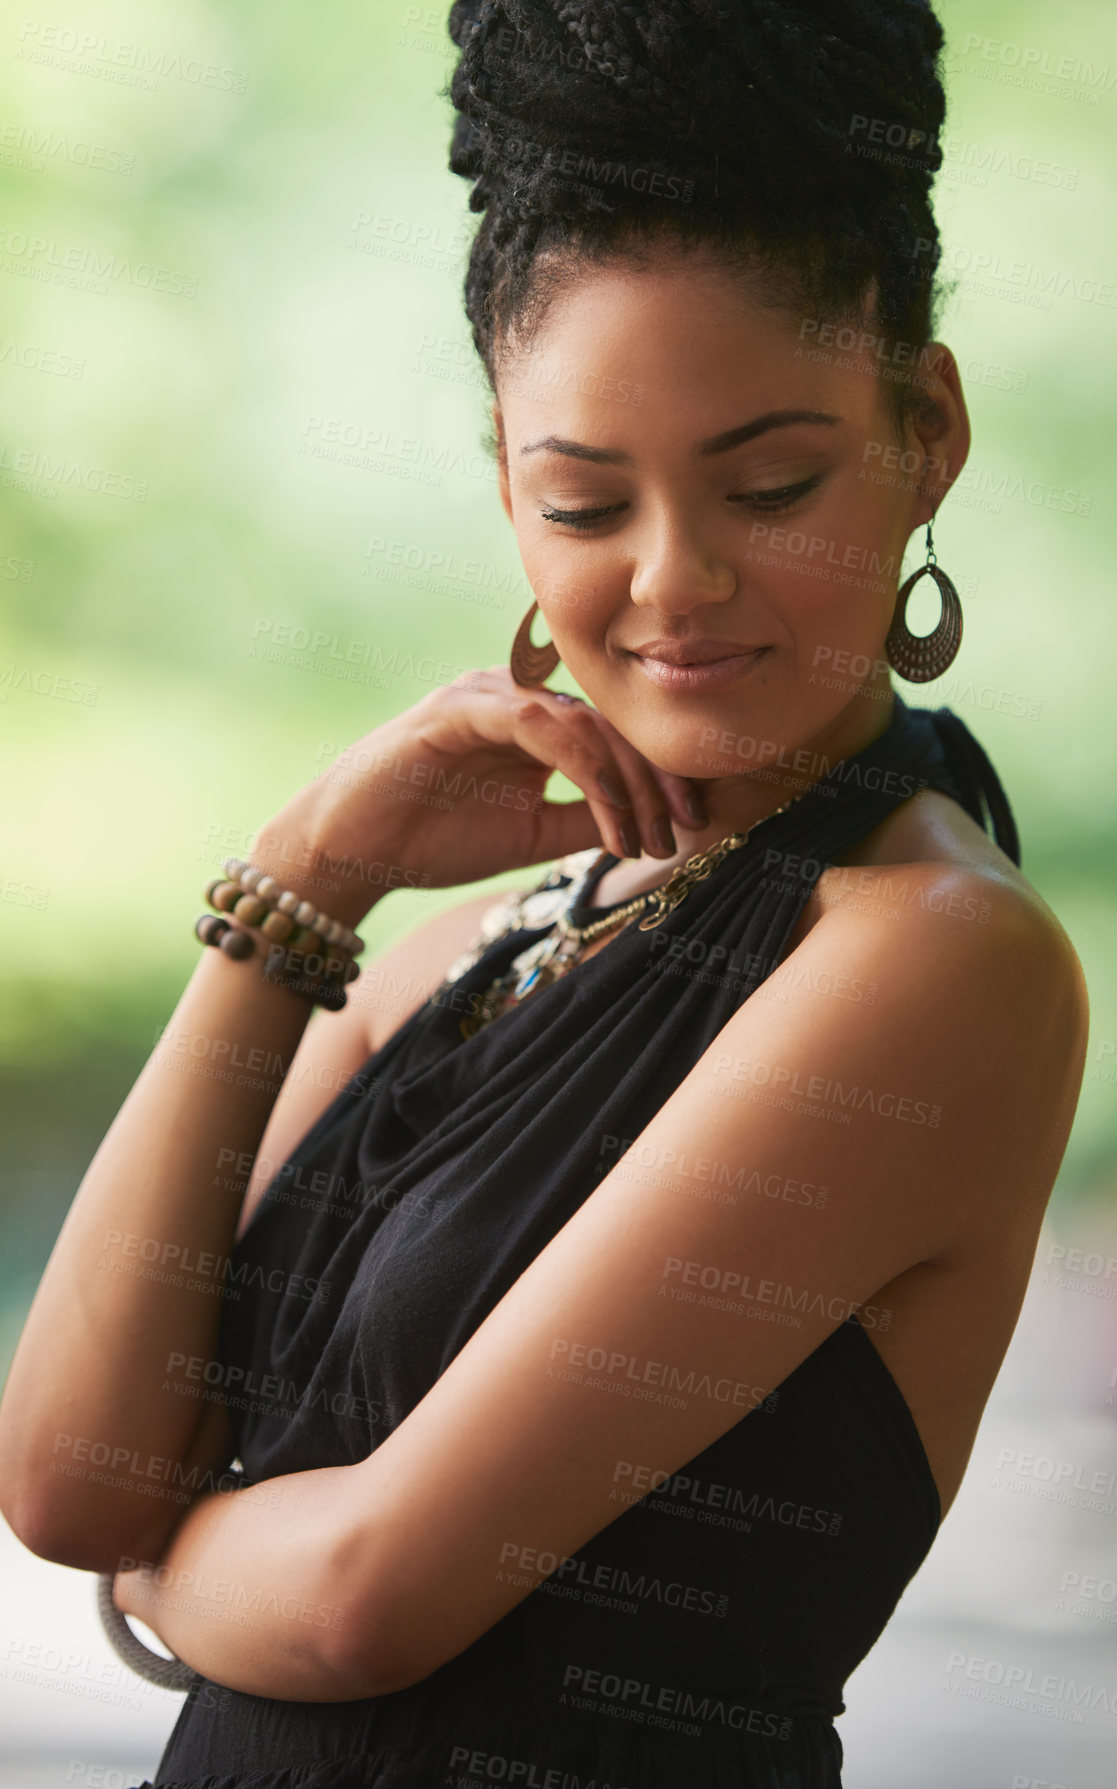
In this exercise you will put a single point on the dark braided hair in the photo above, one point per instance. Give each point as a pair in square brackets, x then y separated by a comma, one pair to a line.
[797, 142]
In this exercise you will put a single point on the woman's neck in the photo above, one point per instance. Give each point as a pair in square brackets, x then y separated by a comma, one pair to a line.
[738, 803]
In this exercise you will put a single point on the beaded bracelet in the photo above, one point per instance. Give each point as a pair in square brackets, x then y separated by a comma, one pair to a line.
[289, 903]
[320, 979]
[324, 989]
[253, 911]
[278, 928]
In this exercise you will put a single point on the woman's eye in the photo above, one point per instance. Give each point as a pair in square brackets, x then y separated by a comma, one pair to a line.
[579, 518]
[780, 497]
[772, 501]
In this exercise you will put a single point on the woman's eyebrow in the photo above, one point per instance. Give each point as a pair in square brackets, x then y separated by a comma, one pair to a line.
[745, 431]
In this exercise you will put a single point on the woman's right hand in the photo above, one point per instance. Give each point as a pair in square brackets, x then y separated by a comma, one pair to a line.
[451, 791]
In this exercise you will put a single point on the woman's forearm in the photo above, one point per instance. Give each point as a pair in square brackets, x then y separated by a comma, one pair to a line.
[247, 1590]
[137, 1271]
[90, 1430]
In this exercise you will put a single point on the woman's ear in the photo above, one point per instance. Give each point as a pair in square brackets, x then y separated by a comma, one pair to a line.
[940, 425]
[502, 463]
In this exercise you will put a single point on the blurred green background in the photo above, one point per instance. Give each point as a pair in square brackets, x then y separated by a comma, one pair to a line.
[229, 233]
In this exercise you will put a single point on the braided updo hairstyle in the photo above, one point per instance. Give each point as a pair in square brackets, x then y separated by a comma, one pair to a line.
[797, 142]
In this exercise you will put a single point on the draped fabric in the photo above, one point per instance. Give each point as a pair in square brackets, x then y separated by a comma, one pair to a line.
[704, 1637]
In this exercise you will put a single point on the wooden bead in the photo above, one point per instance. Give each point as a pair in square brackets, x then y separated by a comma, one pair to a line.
[250, 909]
[333, 999]
[236, 943]
[277, 926]
[253, 894]
[208, 927]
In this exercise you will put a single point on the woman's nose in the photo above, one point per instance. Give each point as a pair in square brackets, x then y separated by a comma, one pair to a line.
[677, 569]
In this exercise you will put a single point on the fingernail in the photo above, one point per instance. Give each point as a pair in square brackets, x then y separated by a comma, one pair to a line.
[696, 812]
[630, 839]
[609, 786]
[663, 836]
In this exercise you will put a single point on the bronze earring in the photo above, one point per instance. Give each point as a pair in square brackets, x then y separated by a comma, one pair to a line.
[531, 665]
[921, 657]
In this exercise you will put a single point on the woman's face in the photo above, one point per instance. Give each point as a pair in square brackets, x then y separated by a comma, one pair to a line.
[683, 465]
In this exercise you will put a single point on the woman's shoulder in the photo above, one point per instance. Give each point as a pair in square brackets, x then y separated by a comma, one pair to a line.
[929, 903]
[930, 856]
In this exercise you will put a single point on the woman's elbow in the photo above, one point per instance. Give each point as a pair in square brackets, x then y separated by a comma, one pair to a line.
[86, 1538]
[371, 1650]
[364, 1671]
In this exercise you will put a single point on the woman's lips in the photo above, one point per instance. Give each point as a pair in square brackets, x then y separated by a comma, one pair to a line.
[711, 675]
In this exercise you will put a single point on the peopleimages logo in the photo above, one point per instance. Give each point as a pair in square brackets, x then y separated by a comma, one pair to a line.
[1029, 59]
[1068, 1699]
[571, 1575]
[91, 52]
[690, 1493]
[523, 1773]
[689, 1705]
[850, 1096]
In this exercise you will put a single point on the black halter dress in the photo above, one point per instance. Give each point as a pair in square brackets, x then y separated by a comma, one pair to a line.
[706, 1634]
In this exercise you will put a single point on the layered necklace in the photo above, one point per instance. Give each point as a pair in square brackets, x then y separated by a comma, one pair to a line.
[565, 942]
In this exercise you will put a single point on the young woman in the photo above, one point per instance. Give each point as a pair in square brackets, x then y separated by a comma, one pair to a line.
[594, 1313]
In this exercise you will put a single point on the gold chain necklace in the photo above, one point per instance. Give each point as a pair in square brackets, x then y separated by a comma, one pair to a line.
[562, 948]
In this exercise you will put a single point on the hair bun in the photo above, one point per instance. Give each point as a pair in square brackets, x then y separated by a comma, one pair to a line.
[755, 98]
[779, 121]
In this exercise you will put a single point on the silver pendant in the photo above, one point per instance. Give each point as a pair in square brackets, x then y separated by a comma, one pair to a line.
[512, 910]
[542, 907]
[542, 962]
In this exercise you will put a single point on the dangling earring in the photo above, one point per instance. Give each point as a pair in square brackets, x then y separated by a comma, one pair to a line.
[530, 664]
[921, 657]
